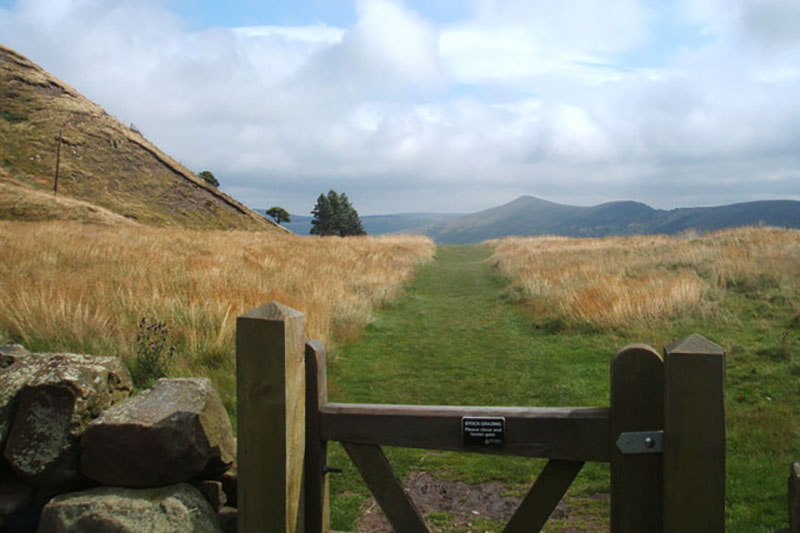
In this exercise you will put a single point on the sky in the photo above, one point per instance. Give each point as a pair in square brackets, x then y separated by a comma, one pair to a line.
[444, 105]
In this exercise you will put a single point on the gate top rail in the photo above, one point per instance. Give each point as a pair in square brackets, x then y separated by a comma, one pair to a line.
[567, 433]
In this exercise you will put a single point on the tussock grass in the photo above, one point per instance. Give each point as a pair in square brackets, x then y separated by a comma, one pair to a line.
[618, 281]
[66, 286]
[23, 203]
[739, 287]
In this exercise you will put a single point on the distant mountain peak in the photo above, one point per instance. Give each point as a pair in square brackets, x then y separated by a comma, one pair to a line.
[529, 216]
[528, 199]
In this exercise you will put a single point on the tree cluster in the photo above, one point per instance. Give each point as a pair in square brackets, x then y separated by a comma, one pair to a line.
[335, 215]
[208, 177]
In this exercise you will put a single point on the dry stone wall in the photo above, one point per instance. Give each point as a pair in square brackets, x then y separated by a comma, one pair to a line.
[81, 452]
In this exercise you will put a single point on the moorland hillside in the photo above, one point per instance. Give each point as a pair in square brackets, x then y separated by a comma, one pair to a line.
[107, 172]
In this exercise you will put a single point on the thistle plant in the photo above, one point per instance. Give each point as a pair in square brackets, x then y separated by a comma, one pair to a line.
[153, 358]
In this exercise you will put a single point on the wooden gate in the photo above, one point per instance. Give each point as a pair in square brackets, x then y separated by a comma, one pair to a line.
[663, 435]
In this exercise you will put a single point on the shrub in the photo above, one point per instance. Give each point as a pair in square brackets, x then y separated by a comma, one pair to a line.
[153, 358]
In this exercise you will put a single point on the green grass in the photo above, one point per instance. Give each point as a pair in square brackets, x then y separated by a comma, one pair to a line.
[454, 339]
[457, 338]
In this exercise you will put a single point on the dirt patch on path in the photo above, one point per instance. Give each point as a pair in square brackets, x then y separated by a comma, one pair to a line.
[455, 506]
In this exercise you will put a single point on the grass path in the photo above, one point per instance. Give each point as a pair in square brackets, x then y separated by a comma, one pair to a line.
[455, 339]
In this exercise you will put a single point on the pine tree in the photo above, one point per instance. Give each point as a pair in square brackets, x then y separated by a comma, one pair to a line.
[322, 223]
[335, 202]
[335, 215]
[350, 223]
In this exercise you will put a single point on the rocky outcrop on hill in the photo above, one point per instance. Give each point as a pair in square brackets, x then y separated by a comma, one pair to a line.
[170, 433]
[174, 508]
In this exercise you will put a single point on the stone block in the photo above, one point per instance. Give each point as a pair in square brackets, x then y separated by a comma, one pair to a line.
[53, 398]
[171, 509]
[176, 431]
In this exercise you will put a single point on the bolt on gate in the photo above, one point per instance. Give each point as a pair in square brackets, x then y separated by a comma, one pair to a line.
[663, 435]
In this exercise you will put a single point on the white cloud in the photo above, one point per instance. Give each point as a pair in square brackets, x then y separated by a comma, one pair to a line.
[390, 50]
[478, 55]
[772, 24]
[392, 39]
[511, 40]
[318, 34]
[522, 97]
[573, 133]
[577, 26]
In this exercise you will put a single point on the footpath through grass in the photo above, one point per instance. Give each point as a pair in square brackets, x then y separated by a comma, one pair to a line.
[455, 339]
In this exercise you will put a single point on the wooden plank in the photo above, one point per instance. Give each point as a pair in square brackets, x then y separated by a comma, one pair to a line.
[401, 512]
[270, 388]
[694, 436]
[637, 404]
[794, 497]
[542, 499]
[574, 434]
[317, 488]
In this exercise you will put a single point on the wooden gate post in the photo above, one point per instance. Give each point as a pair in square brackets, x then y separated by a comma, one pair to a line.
[317, 487]
[637, 404]
[270, 389]
[694, 436]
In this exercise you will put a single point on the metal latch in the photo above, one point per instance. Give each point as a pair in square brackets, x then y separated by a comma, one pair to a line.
[641, 442]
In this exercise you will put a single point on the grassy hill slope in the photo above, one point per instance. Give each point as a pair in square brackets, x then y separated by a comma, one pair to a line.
[102, 161]
[778, 213]
[23, 203]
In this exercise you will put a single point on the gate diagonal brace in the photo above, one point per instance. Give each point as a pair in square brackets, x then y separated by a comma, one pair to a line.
[632, 442]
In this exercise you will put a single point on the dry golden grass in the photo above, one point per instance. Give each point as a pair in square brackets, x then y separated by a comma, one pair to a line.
[66, 286]
[620, 281]
[23, 203]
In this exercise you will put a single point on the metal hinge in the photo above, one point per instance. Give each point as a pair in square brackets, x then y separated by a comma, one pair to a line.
[331, 470]
[641, 442]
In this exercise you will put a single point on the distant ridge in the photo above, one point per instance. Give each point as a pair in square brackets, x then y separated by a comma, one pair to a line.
[375, 224]
[103, 162]
[528, 216]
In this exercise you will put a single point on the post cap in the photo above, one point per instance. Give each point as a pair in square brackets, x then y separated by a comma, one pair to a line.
[273, 311]
[694, 344]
